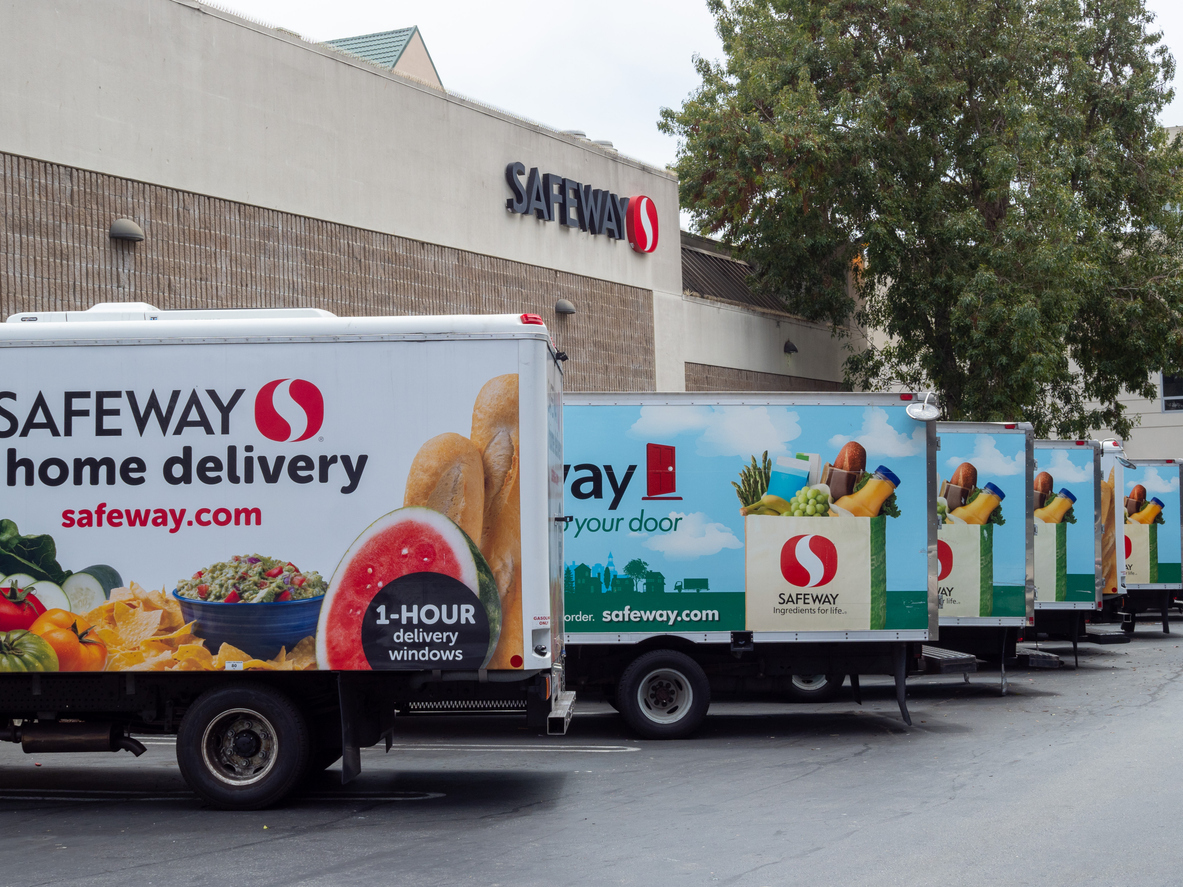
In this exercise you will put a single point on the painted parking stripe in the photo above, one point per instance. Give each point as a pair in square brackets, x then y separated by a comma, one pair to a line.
[107, 795]
[448, 746]
[547, 749]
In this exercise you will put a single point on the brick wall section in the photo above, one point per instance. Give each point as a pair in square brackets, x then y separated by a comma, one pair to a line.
[704, 377]
[202, 252]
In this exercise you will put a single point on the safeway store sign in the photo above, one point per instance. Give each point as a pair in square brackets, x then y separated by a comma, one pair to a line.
[555, 198]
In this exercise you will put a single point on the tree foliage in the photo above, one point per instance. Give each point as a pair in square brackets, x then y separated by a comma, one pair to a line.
[983, 184]
[636, 568]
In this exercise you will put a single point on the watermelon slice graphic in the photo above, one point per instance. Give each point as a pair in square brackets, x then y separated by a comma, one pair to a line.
[409, 540]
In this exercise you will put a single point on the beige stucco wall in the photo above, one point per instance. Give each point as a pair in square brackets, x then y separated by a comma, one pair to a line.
[174, 93]
[696, 330]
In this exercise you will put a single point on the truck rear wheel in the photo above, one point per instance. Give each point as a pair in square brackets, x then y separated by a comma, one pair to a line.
[815, 687]
[663, 694]
[242, 748]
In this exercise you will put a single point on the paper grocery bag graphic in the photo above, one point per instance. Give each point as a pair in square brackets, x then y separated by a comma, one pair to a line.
[1051, 561]
[965, 581]
[1141, 563]
[815, 573]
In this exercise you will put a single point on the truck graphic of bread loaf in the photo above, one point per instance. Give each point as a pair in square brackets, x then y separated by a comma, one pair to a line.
[474, 482]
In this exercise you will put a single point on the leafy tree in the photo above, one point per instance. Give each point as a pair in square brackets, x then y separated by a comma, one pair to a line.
[568, 580]
[981, 183]
[636, 568]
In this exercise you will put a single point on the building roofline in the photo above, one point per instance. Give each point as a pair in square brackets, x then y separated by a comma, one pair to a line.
[482, 107]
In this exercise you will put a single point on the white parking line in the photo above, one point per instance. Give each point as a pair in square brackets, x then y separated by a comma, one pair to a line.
[483, 747]
[105, 795]
[546, 749]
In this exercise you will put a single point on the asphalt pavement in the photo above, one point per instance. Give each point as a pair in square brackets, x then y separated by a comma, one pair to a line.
[1068, 779]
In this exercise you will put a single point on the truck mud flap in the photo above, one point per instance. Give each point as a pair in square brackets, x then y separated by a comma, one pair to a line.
[351, 700]
[561, 710]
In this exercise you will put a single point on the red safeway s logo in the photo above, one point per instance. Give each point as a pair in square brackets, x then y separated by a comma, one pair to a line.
[289, 410]
[944, 559]
[808, 561]
[641, 223]
[1129, 547]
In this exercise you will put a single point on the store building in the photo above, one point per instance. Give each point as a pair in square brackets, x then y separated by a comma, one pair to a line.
[266, 170]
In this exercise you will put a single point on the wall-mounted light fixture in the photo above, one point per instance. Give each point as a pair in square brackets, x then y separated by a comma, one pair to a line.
[790, 348]
[126, 229]
[563, 306]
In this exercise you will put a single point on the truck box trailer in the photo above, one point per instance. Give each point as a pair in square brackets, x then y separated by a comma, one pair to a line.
[272, 531]
[1069, 537]
[986, 541]
[745, 542]
[1150, 533]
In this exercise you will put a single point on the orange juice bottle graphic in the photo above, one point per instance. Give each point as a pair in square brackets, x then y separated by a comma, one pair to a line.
[979, 510]
[1053, 513]
[1149, 513]
[867, 501]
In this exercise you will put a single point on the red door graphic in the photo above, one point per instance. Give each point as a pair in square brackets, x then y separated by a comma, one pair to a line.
[661, 472]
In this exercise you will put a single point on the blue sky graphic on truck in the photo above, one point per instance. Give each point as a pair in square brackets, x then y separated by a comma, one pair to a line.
[652, 483]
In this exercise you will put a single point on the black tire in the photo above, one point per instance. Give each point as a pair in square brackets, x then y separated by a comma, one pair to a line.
[243, 747]
[814, 688]
[663, 694]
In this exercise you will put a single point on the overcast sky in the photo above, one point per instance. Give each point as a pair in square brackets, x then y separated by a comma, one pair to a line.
[605, 67]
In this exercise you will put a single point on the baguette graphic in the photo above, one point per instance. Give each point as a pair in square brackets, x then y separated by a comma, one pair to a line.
[495, 435]
[1109, 535]
[448, 476]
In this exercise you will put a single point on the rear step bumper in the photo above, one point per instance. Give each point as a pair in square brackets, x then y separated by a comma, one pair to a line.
[938, 660]
[559, 719]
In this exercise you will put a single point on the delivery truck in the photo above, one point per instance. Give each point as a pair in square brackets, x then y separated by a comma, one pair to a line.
[1150, 533]
[985, 543]
[745, 542]
[1071, 559]
[271, 532]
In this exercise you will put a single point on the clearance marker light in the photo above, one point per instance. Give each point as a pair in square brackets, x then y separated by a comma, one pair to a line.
[533, 318]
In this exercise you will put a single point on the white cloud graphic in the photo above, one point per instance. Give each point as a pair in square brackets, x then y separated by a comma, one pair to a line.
[723, 430]
[696, 536]
[989, 462]
[880, 440]
[1062, 470]
[1156, 483]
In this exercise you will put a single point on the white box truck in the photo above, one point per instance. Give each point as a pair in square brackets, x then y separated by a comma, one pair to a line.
[271, 531]
[986, 540]
[745, 542]
[1150, 537]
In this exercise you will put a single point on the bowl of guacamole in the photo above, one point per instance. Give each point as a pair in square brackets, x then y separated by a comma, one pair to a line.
[254, 602]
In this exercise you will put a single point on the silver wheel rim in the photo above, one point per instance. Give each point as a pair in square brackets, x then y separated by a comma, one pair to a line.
[665, 696]
[809, 681]
[239, 747]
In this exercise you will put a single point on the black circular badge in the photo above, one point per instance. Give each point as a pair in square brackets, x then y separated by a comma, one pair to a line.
[424, 621]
